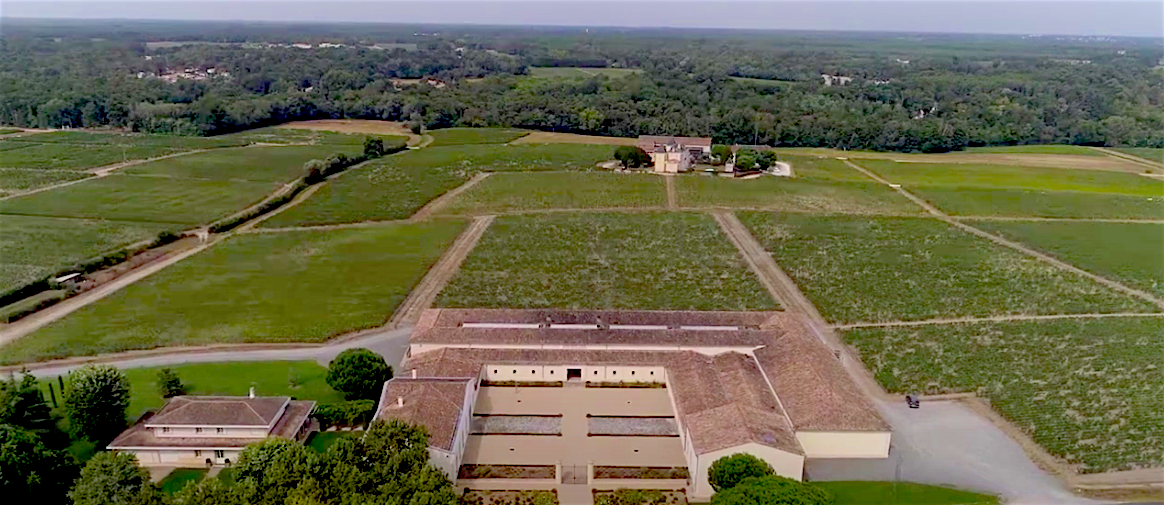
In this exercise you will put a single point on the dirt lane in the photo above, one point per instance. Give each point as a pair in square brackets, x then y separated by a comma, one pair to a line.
[1146, 163]
[441, 201]
[672, 197]
[424, 294]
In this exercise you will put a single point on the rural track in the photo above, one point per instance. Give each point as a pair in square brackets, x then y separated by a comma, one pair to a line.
[424, 294]
[1060, 219]
[440, 202]
[994, 319]
[1131, 158]
[934, 211]
[672, 198]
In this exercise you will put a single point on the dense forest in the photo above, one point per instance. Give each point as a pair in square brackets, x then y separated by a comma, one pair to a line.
[906, 93]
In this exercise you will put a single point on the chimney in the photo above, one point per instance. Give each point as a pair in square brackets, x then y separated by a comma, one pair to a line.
[252, 391]
[413, 373]
[399, 401]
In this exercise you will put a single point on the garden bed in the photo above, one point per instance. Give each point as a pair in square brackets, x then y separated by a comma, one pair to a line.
[640, 497]
[640, 385]
[517, 425]
[506, 472]
[640, 472]
[521, 384]
[618, 426]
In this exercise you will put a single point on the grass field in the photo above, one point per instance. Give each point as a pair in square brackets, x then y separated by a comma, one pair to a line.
[816, 168]
[902, 493]
[503, 192]
[1022, 159]
[137, 198]
[266, 164]
[580, 72]
[467, 136]
[1089, 391]
[1131, 253]
[1037, 149]
[964, 175]
[33, 247]
[254, 288]
[1148, 153]
[653, 260]
[397, 186]
[179, 143]
[866, 269]
[72, 156]
[1033, 203]
[321, 441]
[778, 193]
[13, 180]
[6, 131]
[180, 477]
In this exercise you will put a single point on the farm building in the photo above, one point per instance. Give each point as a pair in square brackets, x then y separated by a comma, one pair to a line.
[197, 431]
[674, 154]
[618, 390]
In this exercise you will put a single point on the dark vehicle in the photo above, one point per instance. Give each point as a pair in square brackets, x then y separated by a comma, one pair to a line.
[913, 401]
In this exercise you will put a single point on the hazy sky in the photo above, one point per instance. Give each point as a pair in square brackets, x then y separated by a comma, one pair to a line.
[1027, 17]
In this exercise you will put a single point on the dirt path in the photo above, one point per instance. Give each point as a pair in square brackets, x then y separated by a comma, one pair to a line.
[934, 211]
[992, 319]
[424, 294]
[1146, 163]
[441, 201]
[672, 198]
[23, 132]
[1059, 219]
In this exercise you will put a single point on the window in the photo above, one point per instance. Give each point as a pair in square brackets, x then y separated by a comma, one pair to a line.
[165, 429]
[197, 453]
[197, 430]
[632, 372]
[614, 372]
[220, 430]
[219, 454]
[652, 373]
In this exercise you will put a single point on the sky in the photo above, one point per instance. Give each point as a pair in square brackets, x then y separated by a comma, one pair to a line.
[1042, 17]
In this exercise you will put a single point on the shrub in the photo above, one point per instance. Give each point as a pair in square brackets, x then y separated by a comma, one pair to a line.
[274, 203]
[358, 374]
[31, 305]
[165, 237]
[772, 490]
[96, 401]
[728, 471]
[631, 156]
[353, 413]
[169, 384]
[373, 147]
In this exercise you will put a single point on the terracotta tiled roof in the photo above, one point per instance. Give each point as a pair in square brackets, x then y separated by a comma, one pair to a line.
[434, 403]
[139, 435]
[451, 318]
[593, 337]
[220, 411]
[662, 139]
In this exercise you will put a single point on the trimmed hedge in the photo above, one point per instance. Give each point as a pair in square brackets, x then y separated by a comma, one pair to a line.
[266, 207]
[31, 304]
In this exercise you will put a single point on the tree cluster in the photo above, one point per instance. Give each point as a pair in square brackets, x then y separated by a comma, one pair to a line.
[743, 479]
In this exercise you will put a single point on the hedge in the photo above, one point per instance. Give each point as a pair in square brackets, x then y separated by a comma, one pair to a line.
[353, 413]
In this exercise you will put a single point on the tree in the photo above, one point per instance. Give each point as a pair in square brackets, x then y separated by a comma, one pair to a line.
[772, 490]
[96, 401]
[765, 159]
[22, 405]
[631, 156]
[169, 384]
[373, 147]
[745, 160]
[728, 471]
[28, 468]
[358, 374]
[114, 478]
[313, 171]
[720, 154]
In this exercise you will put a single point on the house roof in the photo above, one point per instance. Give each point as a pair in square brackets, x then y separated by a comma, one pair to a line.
[140, 436]
[213, 411]
[614, 336]
[435, 403]
[653, 140]
[450, 318]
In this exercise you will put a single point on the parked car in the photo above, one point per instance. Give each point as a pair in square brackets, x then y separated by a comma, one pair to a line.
[913, 401]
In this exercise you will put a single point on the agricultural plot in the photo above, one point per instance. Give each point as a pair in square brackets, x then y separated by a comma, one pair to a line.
[1131, 253]
[75, 157]
[137, 198]
[397, 186]
[1148, 153]
[6, 131]
[32, 248]
[654, 260]
[1089, 391]
[1035, 203]
[580, 72]
[816, 168]
[866, 269]
[506, 192]
[179, 143]
[254, 288]
[266, 164]
[466, 136]
[794, 195]
[13, 180]
[964, 175]
[1037, 149]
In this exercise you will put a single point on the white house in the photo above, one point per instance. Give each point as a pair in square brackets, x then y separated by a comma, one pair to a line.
[674, 154]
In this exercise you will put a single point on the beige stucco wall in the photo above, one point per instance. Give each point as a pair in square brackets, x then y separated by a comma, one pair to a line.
[211, 432]
[844, 444]
[185, 458]
[446, 461]
[552, 373]
[786, 464]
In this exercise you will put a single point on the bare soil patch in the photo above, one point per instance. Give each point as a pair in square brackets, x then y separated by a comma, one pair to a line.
[572, 138]
[506, 472]
[355, 126]
[639, 472]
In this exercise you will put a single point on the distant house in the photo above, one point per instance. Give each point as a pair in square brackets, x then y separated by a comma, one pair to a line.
[674, 154]
[72, 280]
[196, 431]
[838, 80]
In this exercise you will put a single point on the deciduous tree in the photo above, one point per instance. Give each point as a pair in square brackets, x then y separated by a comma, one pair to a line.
[728, 471]
[358, 373]
[95, 402]
[114, 478]
[29, 469]
[169, 384]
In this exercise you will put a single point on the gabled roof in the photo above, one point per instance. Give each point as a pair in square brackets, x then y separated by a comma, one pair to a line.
[434, 403]
[665, 139]
[139, 436]
[213, 411]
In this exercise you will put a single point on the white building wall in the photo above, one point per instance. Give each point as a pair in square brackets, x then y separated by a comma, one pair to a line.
[210, 432]
[845, 444]
[446, 461]
[183, 458]
[785, 463]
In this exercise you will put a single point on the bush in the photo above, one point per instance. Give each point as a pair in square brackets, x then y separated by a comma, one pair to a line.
[728, 471]
[772, 490]
[373, 147]
[631, 156]
[169, 384]
[353, 413]
[165, 237]
[270, 205]
[31, 305]
[631, 497]
[96, 401]
[358, 373]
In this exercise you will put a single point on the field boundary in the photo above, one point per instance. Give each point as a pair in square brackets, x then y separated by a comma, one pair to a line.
[994, 319]
[672, 196]
[1129, 157]
[1050, 260]
[440, 202]
[425, 292]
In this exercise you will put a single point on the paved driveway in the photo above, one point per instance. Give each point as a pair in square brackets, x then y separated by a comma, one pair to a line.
[945, 443]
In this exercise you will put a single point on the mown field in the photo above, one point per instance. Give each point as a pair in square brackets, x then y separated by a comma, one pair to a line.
[650, 260]
[1037, 149]
[1035, 203]
[1089, 391]
[280, 287]
[397, 186]
[13, 180]
[1131, 253]
[266, 164]
[468, 136]
[794, 195]
[33, 247]
[1148, 153]
[505, 192]
[6, 131]
[580, 72]
[900, 493]
[138, 198]
[75, 157]
[874, 269]
[814, 168]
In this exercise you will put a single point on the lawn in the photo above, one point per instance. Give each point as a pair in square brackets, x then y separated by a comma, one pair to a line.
[465, 136]
[581, 72]
[266, 164]
[138, 198]
[321, 441]
[303, 286]
[1034, 203]
[1036, 149]
[965, 175]
[13, 180]
[1131, 253]
[902, 493]
[796, 195]
[1148, 153]
[1089, 391]
[397, 186]
[6, 131]
[652, 260]
[178, 479]
[874, 269]
[503, 192]
[34, 247]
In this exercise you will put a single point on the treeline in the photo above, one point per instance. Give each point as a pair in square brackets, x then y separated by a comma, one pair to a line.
[902, 97]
